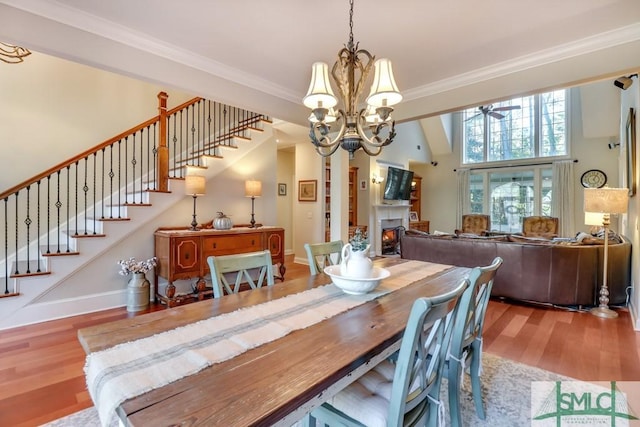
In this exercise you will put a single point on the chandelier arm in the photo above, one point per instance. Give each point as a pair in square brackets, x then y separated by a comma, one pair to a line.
[324, 141]
[375, 141]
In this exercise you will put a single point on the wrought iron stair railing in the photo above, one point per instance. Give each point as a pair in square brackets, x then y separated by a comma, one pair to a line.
[44, 215]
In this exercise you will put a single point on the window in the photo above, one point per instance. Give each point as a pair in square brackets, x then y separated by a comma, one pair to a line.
[520, 128]
[509, 196]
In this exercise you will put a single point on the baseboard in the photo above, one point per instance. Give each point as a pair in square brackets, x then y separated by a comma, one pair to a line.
[633, 311]
[60, 309]
[301, 260]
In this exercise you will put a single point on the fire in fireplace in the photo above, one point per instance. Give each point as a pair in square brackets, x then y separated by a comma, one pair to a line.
[391, 240]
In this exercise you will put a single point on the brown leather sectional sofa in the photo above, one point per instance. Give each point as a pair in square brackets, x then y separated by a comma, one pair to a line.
[542, 272]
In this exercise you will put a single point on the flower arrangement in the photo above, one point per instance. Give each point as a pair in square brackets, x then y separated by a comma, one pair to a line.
[132, 266]
[359, 240]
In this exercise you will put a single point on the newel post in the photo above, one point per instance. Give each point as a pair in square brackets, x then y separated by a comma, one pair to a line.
[163, 149]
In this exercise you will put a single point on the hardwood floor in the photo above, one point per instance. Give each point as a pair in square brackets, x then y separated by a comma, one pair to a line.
[41, 376]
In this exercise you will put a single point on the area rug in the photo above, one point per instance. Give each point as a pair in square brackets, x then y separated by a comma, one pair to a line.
[506, 390]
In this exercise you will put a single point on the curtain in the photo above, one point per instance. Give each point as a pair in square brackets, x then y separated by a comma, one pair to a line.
[563, 197]
[462, 205]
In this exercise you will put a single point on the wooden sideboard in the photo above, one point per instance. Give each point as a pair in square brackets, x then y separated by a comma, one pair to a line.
[182, 254]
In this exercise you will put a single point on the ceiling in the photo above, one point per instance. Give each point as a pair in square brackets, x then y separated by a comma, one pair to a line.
[258, 54]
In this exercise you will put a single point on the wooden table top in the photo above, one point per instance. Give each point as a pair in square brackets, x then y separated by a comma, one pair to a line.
[279, 380]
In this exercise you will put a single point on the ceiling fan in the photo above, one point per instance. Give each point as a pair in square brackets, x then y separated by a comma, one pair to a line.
[493, 111]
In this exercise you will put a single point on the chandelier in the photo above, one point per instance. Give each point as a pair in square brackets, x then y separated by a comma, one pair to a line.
[12, 54]
[370, 127]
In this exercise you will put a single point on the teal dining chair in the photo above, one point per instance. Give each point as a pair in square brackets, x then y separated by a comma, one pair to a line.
[466, 340]
[253, 268]
[321, 255]
[406, 392]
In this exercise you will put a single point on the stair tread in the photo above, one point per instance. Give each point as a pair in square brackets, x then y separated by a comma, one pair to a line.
[27, 268]
[10, 294]
[55, 250]
[84, 234]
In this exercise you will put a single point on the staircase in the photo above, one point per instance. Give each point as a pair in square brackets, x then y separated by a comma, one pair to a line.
[59, 225]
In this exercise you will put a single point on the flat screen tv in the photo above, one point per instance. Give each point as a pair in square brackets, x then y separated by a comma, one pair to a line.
[398, 184]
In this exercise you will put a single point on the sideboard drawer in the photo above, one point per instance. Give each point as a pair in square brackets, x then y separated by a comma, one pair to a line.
[232, 244]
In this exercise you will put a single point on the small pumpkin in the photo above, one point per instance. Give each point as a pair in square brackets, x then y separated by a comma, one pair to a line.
[222, 222]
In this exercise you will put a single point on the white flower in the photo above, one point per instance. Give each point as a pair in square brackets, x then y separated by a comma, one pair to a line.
[132, 266]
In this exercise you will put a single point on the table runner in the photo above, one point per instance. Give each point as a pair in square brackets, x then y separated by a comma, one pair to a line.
[133, 368]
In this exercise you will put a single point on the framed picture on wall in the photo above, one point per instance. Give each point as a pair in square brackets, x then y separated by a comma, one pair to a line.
[413, 216]
[630, 140]
[282, 189]
[307, 190]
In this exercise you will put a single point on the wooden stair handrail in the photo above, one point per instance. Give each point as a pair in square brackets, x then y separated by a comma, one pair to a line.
[91, 151]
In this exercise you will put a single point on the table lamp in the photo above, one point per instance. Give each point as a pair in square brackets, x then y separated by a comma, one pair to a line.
[253, 189]
[194, 186]
[599, 203]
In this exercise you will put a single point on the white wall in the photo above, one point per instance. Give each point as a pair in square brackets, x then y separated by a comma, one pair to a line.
[309, 216]
[630, 98]
[286, 174]
[52, 110]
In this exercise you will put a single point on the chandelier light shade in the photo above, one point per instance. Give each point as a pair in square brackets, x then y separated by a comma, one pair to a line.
[599, 203]
[384, 91]
[367, 125]
[320, 94]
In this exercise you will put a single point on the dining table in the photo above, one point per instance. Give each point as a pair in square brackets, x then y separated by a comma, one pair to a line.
[279, 381]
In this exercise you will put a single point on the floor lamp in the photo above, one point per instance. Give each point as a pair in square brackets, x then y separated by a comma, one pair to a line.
[253, 189]
[599, 203]
[194, 186]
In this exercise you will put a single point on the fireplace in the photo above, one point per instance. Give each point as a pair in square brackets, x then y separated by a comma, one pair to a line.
[390, 240]
[387, 217]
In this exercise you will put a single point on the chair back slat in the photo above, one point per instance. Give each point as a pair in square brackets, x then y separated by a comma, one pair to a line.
[466, 339]
[244, 267]
[320, 255]
[416, 383]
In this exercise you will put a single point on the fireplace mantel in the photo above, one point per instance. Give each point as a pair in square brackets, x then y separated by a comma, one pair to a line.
[386, 212]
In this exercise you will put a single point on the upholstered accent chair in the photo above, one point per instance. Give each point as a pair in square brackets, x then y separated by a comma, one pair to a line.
[540, 226]
[475, 224]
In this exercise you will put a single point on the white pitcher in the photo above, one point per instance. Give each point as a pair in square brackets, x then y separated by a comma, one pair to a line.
[355, 264]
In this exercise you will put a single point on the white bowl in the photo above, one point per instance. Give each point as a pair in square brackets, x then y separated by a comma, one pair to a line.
[355, 286]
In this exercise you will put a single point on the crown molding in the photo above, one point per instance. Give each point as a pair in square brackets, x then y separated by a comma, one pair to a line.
[573, 49]
[124, 35]
[90, 23]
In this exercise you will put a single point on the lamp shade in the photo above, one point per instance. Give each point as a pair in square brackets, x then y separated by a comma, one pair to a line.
[606, 200]
[194, 185]
[253, 188]
[384, 92]
[320, 94]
